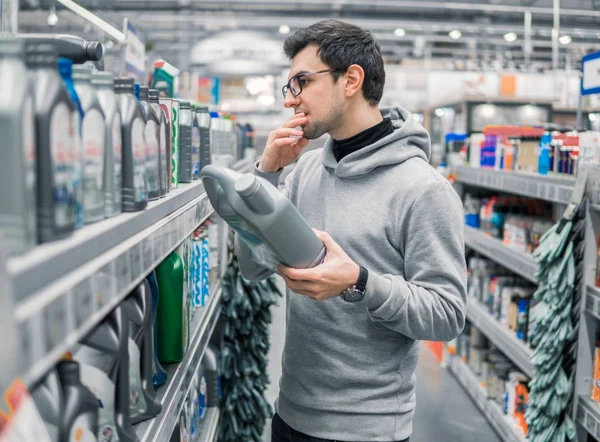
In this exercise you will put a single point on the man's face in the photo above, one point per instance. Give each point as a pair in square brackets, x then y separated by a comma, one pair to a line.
[321, 98]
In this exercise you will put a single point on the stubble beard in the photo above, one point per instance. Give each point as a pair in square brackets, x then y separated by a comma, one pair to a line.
[319, 128]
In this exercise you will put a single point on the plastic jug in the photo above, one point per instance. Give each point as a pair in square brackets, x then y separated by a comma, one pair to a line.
[18, 168]
[102, 357]
[166, 108]
[195, 144]
[72, 47]
[172, 313]
[48, 398]
[139, 311]
[263, 218]
[56, 153]
[92, 134]
[159, 376]
[133, 124]
[152, 147]
[185, 142]
[203, 122]
[104, 84]
[157, 114]
[212, 373]
[80, 411]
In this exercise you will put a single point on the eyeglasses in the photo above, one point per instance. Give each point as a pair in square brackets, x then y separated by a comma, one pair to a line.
[295, 83]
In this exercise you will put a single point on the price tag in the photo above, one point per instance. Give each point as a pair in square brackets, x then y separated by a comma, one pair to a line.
[135, 254]
[123, 272]
[55, 322]
[84, 301]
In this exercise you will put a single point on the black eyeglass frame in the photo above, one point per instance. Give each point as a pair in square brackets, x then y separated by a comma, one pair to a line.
[288, 86]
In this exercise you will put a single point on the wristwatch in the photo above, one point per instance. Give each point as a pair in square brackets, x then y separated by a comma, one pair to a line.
[356, 292]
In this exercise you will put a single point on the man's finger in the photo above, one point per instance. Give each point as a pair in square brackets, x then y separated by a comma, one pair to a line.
[283, 141]
[296, 120]
[328, 241]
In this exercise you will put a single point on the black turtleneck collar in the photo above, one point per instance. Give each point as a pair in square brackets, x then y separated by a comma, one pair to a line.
[367, 137]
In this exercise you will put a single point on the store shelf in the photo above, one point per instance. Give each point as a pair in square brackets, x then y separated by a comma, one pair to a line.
[592, 301]
[514, 260]
[555, 189]
[172, 395]
[209, 431]
[588, 415]
[500, 336]
[62, 290]
[490, 409]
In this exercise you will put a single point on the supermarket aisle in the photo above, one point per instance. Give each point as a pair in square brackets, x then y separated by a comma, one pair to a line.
[444, 411]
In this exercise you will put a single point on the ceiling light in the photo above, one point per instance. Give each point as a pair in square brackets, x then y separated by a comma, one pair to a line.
[52, 18]
[284, 29]
[455, 34]
[439, 112]
[510, 37]
[399, 32]
[592, 117]
[94, 19]
[565, 39]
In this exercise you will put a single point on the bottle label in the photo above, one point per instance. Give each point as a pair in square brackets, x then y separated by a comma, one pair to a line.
[138, 146]
[104, 389]
[137, 403]
[117, 158]
[195, 151]
[202, 398]
[62, 149]
[163, 155]
[81, 430]
[152, 171]
[93, 148]
[78, 168]
[30, 161]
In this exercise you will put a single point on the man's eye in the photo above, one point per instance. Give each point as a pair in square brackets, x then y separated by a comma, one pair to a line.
[303, 81]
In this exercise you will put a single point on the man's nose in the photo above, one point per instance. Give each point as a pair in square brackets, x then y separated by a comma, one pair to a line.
[290, 101]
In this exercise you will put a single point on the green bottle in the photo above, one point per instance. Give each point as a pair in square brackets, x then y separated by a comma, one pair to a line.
[172, 315]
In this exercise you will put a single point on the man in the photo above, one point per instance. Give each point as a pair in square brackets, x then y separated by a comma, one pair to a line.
[394, 272]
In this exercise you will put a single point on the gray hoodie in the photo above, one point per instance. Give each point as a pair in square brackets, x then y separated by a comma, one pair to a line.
[349, 369]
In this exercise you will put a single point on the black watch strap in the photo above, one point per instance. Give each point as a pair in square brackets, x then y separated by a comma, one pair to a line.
[361, 282]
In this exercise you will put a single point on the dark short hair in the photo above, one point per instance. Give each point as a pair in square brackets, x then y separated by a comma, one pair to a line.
[341, 45]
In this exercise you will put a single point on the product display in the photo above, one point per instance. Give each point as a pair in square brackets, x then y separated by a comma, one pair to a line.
[186, 148]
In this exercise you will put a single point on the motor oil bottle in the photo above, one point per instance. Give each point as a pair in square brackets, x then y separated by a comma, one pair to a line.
[163, 136]
[65, 68]
[195, 144]
[48, 398]
[18, 223]
[92, 134]
[263, 218]
[152, 147]
[80, 411]
[185, 142]
[139, 310]
[172, 313]
[72, 47]
[203, 122]
[100, 356]
[159, 376]
[212, 374]
[103, 84]
[55, 134]
[171, 109]
[134, 196]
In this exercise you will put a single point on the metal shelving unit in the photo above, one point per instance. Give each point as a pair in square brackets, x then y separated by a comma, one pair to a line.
[503, 338]
[172, 395]
[588, 415]
[592, 301]
[60, 291]
[491, 410]
[514, 260]
[210, 426]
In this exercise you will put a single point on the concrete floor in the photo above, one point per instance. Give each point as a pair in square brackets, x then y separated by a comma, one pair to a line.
[444, 411]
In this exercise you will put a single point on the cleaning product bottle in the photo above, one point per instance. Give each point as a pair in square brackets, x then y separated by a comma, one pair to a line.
[17, 170]
[55, 132]
[159, 376]
[72, 47]
[92, 134]
[185, 141]
[195, 144]
[263, 218]
[172, 312]
[544, 157]
[139, 308]
[171, 109]
[134, 147]
[163, 136]
[48, 398]
[203, 122]
[104, 84]
[152, 147]
[100, 357]
[80, 412]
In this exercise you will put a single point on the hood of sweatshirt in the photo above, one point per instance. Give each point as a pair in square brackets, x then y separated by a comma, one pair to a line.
[408, 140]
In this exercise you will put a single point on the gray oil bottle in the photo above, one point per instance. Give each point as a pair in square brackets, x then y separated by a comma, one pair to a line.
[48, 398]
[163, 137]
[152, 147]
[263, 218]
[195, 144]
[80, 411]
[93, 136]
[134, 147]
[103, 84]
[56, 154]
[203, 122]
[18, 167]
[185, 141]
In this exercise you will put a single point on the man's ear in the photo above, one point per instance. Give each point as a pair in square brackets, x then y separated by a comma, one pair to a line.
[355, 76]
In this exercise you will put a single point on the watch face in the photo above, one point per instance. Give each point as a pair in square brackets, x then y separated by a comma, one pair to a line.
[352, 295]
